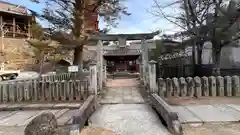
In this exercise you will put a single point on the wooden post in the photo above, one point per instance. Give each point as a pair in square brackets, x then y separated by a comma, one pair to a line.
[29, 29]
[14, 27]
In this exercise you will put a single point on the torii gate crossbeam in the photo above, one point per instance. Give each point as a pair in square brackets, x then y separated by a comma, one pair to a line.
[122, 38]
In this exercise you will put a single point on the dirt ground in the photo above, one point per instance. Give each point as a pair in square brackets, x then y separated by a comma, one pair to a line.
[114, 83]
[97, 131]
[202, 100]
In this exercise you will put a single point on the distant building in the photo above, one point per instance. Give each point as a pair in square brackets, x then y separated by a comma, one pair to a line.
[15, 21]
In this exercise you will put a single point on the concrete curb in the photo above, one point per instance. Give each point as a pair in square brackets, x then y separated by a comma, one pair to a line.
[81, 117]
[170, 117]
[74, 125]
[85, 111]
[37, 106]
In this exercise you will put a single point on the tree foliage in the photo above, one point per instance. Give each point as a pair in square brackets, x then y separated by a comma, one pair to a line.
[41, 46]
[71, 14]
[216, 21]
[156, 53]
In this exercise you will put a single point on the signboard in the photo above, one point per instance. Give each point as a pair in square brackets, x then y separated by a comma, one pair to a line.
[73, 69]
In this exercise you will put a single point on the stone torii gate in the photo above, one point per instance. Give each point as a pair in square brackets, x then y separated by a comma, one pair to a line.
[122, 40]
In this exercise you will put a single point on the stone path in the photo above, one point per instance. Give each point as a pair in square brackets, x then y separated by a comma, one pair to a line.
[123, 95]
[128, 115]
[13, 120]
[21, 118]
[208, 113]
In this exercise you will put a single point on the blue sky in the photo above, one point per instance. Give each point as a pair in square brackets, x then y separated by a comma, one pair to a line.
[139, 21]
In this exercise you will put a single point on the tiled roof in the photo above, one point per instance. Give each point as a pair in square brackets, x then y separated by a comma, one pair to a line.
[122, 51]
[13, 9]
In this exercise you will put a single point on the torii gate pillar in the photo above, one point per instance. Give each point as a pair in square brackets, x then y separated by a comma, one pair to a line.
[144, 61]
[100, 63]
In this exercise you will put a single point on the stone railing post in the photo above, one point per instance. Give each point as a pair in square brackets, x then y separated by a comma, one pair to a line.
[105, 75]
[93, 79]
[235, 86]
[152, 76]
[141, 72]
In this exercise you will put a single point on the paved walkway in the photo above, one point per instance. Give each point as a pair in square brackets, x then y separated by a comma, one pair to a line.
[128, 115]
[208, 113]
[216, 119]
[14, 121]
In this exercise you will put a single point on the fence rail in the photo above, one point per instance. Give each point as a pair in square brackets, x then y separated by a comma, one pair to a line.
[165, 71]
[199, 86]
[59, 87]
[35, 90]
[65, 76]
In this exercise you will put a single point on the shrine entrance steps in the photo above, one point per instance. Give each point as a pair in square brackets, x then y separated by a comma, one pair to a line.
[124, 111]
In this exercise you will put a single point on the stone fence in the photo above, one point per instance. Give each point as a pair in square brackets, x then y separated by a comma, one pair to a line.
[65, 76]
[59, 87]
[59, 77]
[197, 87]
[35, 90]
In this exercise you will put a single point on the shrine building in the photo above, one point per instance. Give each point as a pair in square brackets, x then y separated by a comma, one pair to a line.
[121, 57]
[15, 20]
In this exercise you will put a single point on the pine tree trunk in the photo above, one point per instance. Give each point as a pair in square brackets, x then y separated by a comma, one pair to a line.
[78, 56]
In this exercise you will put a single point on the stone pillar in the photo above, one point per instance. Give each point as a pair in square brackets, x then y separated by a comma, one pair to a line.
[105, 74]
[152, 76]
[235, 86]
[14, 27]
[93, 79]
[100, 63]
[144, 60]
[141, 72]
[122, 41]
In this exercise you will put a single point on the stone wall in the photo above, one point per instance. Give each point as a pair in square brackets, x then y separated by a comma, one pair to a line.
[198, 87]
